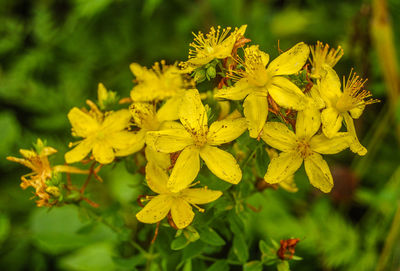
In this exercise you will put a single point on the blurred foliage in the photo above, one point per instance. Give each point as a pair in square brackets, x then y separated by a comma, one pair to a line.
[54, 53]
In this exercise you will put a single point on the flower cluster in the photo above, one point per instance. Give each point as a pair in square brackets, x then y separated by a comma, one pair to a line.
[295, 107]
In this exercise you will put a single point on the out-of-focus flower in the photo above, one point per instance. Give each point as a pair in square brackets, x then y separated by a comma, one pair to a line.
[106, 136]
[44, 177]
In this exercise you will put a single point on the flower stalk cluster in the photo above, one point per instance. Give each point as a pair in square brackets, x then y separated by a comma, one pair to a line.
[295, 107]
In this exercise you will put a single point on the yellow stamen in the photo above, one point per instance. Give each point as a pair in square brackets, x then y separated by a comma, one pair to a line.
[254, 68]
[322, 54]
[205, 44]
[354, 94]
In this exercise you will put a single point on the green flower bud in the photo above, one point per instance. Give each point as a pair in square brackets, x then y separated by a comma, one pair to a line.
[199, 75]
[211, 72]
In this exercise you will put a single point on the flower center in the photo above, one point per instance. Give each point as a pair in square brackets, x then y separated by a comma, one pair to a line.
[199, 138]
[303, 147]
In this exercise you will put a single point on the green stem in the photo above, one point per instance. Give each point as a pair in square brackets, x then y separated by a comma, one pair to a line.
[249, 157]
[118, 231]
[150, 259]
[379, 129]
[390, 241]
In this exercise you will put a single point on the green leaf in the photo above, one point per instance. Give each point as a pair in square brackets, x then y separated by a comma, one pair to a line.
[192, 250]
[283, 266]
[93, 257]
[262, 161]
[56, 231]
[264, 248]
[219, 266]
[253, 266]
[211, 237]
[179, 243]
[130, 262]
[236, 223]
[240, 248]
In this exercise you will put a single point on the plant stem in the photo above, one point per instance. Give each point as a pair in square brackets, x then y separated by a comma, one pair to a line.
[390, 241]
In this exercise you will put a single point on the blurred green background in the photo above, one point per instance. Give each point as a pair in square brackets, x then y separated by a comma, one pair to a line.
[54, 53]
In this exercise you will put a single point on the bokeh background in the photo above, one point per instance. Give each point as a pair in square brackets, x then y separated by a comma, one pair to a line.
[53, 53]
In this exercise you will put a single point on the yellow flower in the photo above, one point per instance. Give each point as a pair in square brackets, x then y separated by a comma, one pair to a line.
[301, 146]
[162, 82]
[145, 117]
[106, 136]
[177, 203]
[344, 105]
[42, 172]
[322, 55]
[196, 140]
[257, 81]
[215, 44]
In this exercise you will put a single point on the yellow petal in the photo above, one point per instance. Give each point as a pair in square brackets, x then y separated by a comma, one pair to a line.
[200, 195]
[170, 110]
[256, 112]
[289, 184]
[324, 145]
[282, 167]
[356, 112]
[192, 112]
[225, 131]
[103, 153]
[82, 123]
[28, 154]
[155, 210]
[315, 96]
[126, 143]
[318, 172]
[278, 136]
[79, 152]
[117, 121]
[330, 86]
[23, 162]
[290, 61]
[331, 121]
[186, 168]
[168, 141]
[236, 92]
[162, 160]
[287, 94]
[182, 213]
[308, 122]
[221, 163]
[156, 178]
[355, 145]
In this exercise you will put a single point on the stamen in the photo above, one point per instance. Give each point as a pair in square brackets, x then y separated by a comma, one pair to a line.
[201, 210]
[209, 41]
[354, 88]
[322, 54]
